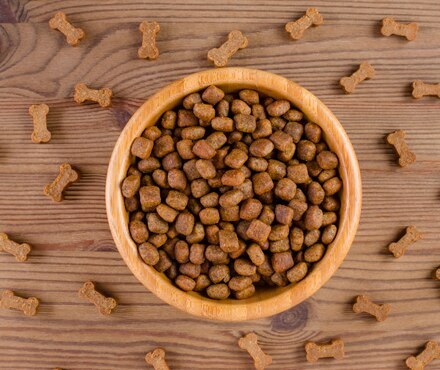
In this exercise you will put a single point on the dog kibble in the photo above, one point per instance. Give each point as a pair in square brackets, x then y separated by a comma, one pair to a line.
[392, 27]
[149, 50]
[397, 140]
[228, 191]
[19, 251]
[156, 359]
[220, 56]
[9, 300]
[66, 177]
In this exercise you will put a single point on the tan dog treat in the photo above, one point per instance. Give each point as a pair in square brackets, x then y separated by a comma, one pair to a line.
[436, 274]
[59, 22]
[430, 353]
[149, 50]
[19, 251]
[28, 306]
[411, 236]
[66, 177]
[397, 140]
[157, 359]
[221, 55]
[101, 96]
[364, 72]
[39, 112]
[250, 344]
[104, 304]
[391, 27]
[315, 351]
[421, 89]
[379, 311]
[297, 28]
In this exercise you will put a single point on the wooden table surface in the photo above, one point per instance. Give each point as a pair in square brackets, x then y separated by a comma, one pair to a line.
[72, 241]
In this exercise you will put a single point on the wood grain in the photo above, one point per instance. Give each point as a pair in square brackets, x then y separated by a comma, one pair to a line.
[72, 242]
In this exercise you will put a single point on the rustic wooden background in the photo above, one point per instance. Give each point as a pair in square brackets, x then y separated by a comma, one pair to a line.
[72, 242]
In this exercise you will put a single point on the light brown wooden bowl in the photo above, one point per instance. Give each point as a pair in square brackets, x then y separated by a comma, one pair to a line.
[265, 302]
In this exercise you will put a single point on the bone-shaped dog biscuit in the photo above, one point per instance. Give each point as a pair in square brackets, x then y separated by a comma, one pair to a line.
[315, 351]
[104, 304]
[364, 72]
[421, 89]
[102, 96]
[411, 236]
[28, 306]
[397, 140]
[66, 177]
[221, 55]
[19, 251]
[364, 304]
[436, 274]
[149, 50]
[59, 22]
[39, 112]
[250, 343]
[391, 27]
[430, 353]
[297, 28]
[156, 359]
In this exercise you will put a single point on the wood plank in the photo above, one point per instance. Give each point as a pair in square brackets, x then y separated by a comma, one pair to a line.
[41, 65]
[73, 335]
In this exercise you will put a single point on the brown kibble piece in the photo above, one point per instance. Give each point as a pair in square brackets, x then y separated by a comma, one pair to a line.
[209, 216]
[28, 306]
[411, 236]
[185, 223]
[250, 344]
[397, 140]
[218, 291]
[66, 177]
[39, 112]
[245, 123]
[239, 282]
[258, 231]
[185, 283]
[142, 147]
[250, 209]
[203, 149]
[205, 112]
[233, 178]
[364, 304]
[297, 28]
[332, 186]
[59, 22]
[149, 253]
[157, 359]
[228, 241]
[282, 261]
[327, 160]
[430, 353]
[130, 186]
[19, 251]
[421, 89]
[219, 274]
[313, 218]
[244, 267]
[175, 199]
[315, 351]
[166, 212]
[220, 56]
[296, 238]
[298, 173]
[297, 272]
[138, 231]
[256, 254]
[278, 108]
[329, 234]
[213, 95]
[149, 30]
[391, 27]
[149, 197]
[105, 305]
[262, 183]
[365, 72]
[236, 158]
[306, 150]
[102, 96]
[314, 253]
[261, 147]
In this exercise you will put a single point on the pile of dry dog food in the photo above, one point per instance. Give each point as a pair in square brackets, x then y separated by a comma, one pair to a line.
[229, 191]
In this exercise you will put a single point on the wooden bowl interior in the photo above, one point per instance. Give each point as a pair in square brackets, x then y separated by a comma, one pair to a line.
[265, 302]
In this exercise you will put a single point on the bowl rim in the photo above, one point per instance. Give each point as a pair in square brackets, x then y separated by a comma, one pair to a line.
[264, 303]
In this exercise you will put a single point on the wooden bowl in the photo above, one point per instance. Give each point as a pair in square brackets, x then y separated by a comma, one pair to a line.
[265, 302]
